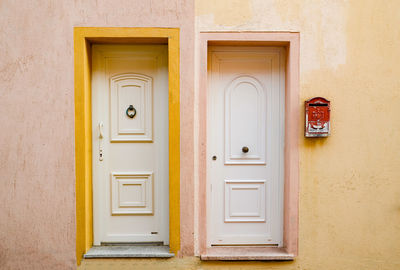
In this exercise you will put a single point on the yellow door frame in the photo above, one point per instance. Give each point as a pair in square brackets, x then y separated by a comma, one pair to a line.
[83, 38]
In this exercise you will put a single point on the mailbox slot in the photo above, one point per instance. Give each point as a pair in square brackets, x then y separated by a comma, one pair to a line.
[318, 105]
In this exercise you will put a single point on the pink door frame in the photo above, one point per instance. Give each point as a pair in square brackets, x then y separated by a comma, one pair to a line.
[292, 124]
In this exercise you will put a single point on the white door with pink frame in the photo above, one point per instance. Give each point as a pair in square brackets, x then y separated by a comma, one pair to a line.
[245, 145]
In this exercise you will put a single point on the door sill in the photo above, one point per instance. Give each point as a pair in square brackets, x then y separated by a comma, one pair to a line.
[125, 251]
[246, 254]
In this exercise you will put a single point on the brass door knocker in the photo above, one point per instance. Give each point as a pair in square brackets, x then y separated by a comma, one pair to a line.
[131, 108]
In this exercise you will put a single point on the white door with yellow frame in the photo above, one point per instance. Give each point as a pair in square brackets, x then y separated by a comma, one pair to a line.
[130, 143]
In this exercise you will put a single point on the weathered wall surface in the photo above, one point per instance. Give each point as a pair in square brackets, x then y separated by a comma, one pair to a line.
[350, 190]
[37, 193]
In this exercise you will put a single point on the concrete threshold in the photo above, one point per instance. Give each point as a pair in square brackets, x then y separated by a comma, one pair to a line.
[125, 251]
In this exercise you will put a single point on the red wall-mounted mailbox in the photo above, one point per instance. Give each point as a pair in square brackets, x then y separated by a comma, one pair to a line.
[317, 117]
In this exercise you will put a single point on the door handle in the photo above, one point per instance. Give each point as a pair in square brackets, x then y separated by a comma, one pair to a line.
[101, 130]
[245, 149]
[101, 135]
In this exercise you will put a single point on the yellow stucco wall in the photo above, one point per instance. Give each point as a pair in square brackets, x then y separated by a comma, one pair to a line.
[349, 182]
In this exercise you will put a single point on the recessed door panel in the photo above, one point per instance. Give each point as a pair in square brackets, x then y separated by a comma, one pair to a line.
[130, 143]
[131, 107]
[245, 103]
[245, 200]
[245, 129]
[132, 193]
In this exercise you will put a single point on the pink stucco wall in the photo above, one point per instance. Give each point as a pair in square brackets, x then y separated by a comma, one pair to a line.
[37, 194]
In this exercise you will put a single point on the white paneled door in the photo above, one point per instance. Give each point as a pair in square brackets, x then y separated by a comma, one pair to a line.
[245, 142]
[130, 143]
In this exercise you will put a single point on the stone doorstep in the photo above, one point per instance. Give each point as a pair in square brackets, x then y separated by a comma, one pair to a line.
[126, 251]
[246, 254]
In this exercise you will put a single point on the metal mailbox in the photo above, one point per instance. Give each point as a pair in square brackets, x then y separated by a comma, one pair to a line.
[317, 122]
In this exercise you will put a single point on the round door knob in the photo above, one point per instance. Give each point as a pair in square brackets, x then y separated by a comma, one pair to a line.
[245, 149]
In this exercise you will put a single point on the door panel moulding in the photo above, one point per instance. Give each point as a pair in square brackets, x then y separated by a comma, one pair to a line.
[84, 37]
[291, 41]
